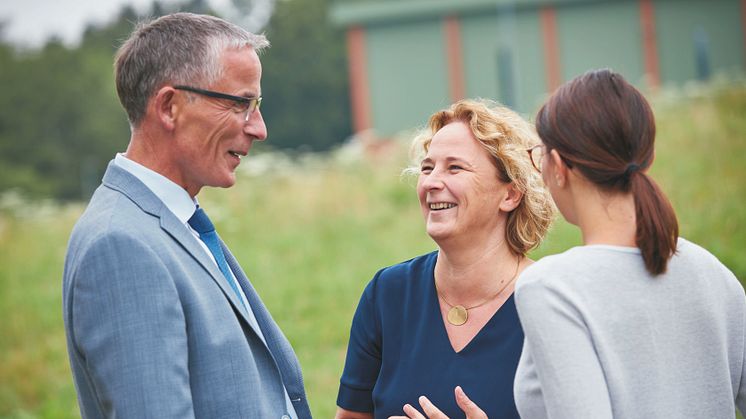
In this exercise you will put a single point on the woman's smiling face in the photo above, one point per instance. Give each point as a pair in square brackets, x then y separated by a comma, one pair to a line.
[458, 187]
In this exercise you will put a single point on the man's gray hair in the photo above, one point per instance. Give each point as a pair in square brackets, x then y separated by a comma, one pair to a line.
[180, 48]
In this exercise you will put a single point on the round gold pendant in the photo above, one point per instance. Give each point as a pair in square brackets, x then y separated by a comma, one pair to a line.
[457, 315]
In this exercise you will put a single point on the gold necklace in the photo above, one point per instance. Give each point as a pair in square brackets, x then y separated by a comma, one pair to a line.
[458, 314]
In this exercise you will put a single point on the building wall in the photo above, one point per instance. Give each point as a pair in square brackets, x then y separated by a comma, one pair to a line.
[600, 35]
[683, 24]
[503, 59]
[517, 52]
[407, 74]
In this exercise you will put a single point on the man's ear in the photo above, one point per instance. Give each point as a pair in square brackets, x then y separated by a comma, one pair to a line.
[512, 198]
[166, 107]
[560, 169]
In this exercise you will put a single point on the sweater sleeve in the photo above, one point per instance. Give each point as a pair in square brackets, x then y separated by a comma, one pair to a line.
[741, 393]
[570, 376]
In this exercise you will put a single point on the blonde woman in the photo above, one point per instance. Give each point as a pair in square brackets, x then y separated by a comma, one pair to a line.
[446, 320]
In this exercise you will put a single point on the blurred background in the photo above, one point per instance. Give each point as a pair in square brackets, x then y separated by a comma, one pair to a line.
[322, 205]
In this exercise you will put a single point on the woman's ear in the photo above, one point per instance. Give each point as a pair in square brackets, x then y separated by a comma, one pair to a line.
[512, 198]
[560, 169]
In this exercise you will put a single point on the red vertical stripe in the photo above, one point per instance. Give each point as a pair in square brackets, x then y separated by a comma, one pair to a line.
[743, 29]
[553, 71]
[358, 69]
[454, 57]
[649, 42]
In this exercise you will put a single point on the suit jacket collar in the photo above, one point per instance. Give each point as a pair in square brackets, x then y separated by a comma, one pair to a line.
[287, 363]
[174, 197]
[131, 187]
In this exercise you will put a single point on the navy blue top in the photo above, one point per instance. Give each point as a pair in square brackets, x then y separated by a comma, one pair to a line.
[399, 350]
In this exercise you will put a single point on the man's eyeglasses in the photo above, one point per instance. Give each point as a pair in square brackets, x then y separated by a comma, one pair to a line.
[536, 153]
[240, 104]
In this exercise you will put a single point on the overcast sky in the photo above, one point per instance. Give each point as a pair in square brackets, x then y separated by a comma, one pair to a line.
[31, 22]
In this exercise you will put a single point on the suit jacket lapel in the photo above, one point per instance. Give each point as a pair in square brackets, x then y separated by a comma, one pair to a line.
[179, 232]
[278, 344]
[126, 183]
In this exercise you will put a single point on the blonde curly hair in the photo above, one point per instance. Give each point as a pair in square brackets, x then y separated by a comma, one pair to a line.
[506, 136]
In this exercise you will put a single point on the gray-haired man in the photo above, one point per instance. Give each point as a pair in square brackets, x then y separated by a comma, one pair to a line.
[161, 321]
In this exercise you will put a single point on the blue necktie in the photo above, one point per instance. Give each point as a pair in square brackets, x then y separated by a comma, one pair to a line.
[201, 223]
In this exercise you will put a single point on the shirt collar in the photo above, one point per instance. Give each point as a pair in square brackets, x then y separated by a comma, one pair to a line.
[176, 198]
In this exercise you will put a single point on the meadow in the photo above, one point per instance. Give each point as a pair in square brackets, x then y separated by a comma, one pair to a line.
[312, 231]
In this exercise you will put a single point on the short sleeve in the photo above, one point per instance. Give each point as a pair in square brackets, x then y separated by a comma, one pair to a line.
[363, 362]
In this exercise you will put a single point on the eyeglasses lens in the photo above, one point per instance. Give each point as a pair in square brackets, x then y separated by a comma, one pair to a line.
[535, 153]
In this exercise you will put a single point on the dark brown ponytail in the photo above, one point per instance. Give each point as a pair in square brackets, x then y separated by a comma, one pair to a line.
[604, 127]
[657, 228]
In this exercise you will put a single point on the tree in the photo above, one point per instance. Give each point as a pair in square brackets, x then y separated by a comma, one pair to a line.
[61, 121]
[304, 78]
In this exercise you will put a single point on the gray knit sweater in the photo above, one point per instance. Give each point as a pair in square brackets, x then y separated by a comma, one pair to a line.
[604, 339]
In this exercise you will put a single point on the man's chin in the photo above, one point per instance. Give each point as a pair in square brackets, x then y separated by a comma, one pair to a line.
[225, 182]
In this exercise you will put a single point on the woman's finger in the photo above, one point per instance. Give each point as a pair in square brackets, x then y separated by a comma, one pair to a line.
[469, 407]
[412, 413]
[431, 411]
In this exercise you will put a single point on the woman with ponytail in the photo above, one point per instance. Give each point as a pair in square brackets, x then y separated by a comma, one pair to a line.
[637, 322]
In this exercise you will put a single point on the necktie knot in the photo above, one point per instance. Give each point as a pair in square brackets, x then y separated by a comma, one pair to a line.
[200, 222]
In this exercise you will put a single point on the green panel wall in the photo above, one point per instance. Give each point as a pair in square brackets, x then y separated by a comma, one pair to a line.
[677, 25]
[605, 34]
[407, 74]
[508, 32]
[479, 37]
[530, 70]
[503, 52]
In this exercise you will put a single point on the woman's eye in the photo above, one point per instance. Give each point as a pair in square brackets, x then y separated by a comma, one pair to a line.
[426, 169]
[455, 168]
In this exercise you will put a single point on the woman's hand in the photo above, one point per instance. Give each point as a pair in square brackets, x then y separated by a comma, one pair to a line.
[471, 410]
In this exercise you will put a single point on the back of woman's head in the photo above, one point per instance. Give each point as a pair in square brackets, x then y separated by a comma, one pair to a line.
[604, 128]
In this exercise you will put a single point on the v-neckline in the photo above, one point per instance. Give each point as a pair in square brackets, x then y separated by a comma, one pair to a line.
[435, 305]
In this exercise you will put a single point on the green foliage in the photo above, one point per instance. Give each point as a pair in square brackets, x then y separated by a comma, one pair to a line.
[305, 78]
[33, 358]
[312, 234]
[700, 152]
[61, 122]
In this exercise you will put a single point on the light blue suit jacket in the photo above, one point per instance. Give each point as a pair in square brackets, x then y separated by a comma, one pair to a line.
[153, 328]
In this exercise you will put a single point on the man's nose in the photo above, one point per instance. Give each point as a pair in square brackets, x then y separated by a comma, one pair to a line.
[255, 126]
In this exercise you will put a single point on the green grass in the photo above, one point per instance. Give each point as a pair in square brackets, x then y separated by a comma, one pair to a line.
[311, 235]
